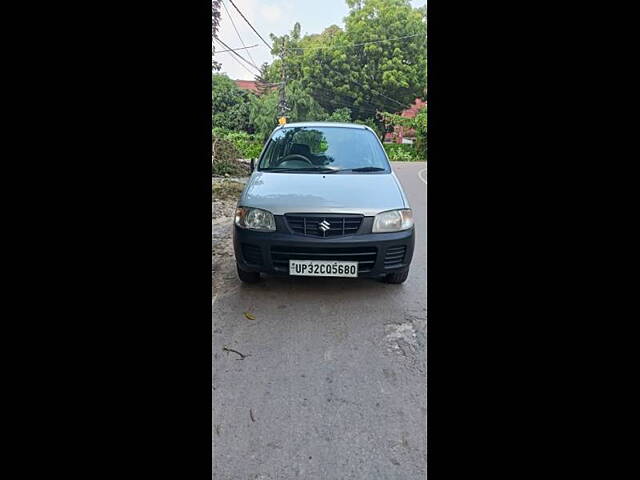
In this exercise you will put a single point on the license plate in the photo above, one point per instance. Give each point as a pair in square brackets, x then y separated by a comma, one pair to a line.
[323, 268]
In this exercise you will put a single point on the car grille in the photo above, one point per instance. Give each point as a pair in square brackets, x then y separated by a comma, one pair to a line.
[394, 256]
[324, 225]
[252, 254]
[365, 256]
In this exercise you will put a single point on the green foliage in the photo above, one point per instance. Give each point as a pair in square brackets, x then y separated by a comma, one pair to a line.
[265, 78]
[340, 115]
[342, 73]
[236, 117]
[303, 107]
[337, 71]
[263, 114]
[264, 109]
[418, 123]
[420, 126]
[230, 104]
[332, 76]
[399, 152]
[394, 119]
[247, 145]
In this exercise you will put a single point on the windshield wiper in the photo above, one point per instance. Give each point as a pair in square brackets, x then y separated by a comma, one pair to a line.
[312, 169]
[364, 169]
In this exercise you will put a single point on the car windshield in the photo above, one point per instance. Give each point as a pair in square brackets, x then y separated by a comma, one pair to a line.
[324, 149]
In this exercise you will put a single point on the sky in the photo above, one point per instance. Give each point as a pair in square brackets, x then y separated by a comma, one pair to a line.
[272, 16]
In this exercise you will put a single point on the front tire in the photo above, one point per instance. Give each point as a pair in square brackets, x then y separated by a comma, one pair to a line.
[248, 277]
[397, 277]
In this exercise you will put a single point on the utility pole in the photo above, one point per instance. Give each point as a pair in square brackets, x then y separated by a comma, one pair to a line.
[282, 106]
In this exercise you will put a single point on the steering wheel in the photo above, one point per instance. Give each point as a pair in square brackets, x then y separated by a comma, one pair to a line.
[296, 155]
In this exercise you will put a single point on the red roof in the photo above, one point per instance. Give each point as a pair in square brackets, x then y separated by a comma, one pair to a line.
[247, 85]
[412, 111]
[250, 85]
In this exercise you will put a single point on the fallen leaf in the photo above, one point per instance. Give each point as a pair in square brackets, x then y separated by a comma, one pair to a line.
[250, 316]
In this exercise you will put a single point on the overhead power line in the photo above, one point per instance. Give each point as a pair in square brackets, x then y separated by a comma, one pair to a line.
[342, 99]
[237, 32]
[348, 100]
[242, 64]
[368, 111]
[237, 54]
[237, 48]
[249, 23]
[404, 106]
[333, 94]
[382, 95]
[344, 77]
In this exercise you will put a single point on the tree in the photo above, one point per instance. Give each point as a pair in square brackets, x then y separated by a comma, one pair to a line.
[263, 114]
[288, 46]
[355, 67]
[420, 126]
[302, 107]
[265, 79]
[297, 53]
[215, 24]
[230, 104]
[376, 75]
[340, 115]
[376, 64]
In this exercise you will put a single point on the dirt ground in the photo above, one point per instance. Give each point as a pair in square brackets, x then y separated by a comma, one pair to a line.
[225, 197]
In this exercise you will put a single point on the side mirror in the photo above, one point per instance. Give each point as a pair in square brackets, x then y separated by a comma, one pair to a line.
[253, 164]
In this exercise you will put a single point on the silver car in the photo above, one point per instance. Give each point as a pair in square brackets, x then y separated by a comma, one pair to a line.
[323, 201]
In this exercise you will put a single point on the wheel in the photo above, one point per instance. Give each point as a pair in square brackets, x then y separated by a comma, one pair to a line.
[397, 277]
[248, 277]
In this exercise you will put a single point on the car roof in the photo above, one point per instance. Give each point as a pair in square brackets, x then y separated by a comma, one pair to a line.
[322, 124]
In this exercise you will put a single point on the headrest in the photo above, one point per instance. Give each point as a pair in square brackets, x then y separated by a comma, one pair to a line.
[300, 149]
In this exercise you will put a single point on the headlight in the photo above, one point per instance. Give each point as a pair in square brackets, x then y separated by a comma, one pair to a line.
[255, 219]
[393, 221]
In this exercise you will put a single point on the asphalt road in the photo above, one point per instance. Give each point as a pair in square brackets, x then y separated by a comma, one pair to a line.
[335, 377]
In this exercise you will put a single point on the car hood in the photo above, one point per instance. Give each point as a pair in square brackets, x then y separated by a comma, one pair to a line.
[366, 194]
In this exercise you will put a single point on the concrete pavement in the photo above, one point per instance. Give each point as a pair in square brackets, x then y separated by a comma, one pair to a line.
[335, 379]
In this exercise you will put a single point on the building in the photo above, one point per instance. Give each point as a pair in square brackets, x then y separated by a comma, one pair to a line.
[247, 85]
[402, 134]
[250, 85]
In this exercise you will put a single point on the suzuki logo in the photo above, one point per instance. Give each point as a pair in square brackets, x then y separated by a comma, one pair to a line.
[324, 225]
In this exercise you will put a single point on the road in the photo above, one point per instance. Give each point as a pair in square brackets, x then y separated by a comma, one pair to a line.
[335, 377]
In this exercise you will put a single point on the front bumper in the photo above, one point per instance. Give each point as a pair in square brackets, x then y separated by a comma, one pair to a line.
[378, 254]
